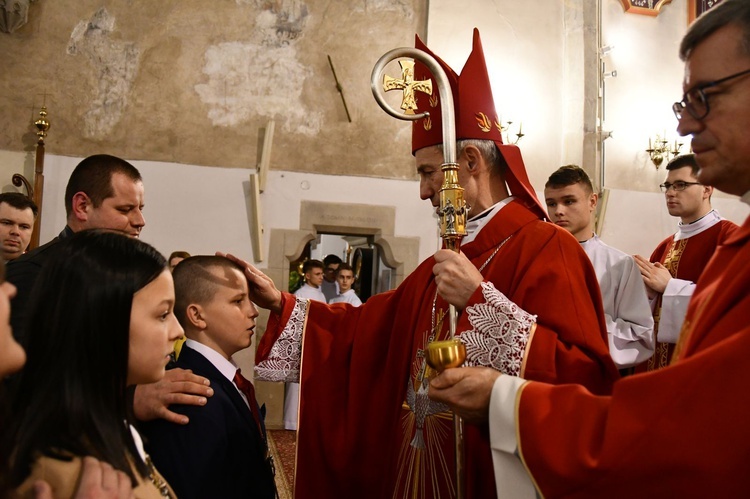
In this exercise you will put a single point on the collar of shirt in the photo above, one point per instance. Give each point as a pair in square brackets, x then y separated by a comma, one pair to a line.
[590, 241]
[226, 367]
[707, 221]
[476, 223]
[138, 441]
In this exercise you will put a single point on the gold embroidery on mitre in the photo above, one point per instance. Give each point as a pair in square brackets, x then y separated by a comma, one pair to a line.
[428, 123]
[483, 121]
[498, 125]
[433, 100]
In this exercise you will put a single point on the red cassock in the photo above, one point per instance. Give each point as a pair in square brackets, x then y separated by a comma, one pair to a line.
[360, 370]
[681, 431]
[685, 259]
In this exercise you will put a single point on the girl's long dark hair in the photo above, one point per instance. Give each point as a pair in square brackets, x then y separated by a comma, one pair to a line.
[70, 397]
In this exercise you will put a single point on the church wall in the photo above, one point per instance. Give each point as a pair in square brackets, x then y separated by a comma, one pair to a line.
[203, 210]
[193, 82]
[639, 100]
[187, 143]
[525, 52]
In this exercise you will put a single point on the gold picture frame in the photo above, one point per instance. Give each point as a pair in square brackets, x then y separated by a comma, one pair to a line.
[644, 7]
[698, 7]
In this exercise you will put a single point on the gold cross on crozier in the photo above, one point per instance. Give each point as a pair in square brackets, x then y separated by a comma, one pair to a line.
[408, 85]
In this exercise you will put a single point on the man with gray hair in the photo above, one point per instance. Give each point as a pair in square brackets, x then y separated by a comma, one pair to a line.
[695, 441]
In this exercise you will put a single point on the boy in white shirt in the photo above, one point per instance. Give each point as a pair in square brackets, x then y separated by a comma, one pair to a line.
[345, 278]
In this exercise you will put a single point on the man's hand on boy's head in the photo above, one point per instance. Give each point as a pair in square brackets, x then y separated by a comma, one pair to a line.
[178, 386]
[262, 290]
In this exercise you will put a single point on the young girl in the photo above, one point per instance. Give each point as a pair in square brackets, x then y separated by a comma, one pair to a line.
[102, 319]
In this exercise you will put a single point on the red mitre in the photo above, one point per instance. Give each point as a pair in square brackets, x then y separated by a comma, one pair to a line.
[476, 117]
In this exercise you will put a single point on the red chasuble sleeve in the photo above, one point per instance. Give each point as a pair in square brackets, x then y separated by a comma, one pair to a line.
[695, 441]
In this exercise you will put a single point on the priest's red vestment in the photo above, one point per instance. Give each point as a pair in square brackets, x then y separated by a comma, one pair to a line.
[685, 259]
[365, 430]
[695, 441]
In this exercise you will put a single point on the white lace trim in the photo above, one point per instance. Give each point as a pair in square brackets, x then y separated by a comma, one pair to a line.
[499, 334]
[283, 362]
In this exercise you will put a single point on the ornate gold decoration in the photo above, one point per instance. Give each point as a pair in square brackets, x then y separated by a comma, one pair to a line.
[42, 125]
[659, 150]
[408, 85]
[645, 7]
[452, 210]
[484, 122]
[498, 125]
[428, 123]
[505, 132]
[434, 100]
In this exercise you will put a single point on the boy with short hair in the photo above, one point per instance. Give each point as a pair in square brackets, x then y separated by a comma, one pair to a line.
[312, 271]
[571, 202]
[345, 279]
[222, 451]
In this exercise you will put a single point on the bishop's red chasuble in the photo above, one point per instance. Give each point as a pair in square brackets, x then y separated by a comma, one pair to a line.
[685, 259]
[367, 428]
[695, 441]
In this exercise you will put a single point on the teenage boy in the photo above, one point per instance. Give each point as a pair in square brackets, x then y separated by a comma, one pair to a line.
[345, 279]
[222, 451]
[312, 271]
[571, 202]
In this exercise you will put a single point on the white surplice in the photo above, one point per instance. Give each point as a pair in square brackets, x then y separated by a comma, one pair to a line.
[630, 324]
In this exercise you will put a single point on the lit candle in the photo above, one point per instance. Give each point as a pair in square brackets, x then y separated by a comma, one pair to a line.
[649, 143]
[520, 128]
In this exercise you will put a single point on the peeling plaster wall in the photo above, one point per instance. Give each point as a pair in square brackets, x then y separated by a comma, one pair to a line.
[187, 85]
[193, 82]
[116, 64]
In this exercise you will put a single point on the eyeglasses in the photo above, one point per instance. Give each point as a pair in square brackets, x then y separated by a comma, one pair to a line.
[695, 100]
[677, 186]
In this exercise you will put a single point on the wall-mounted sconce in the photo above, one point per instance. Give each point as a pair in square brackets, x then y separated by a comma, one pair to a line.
[604, 51]
[604, 134]
[659, 150]
[505, 131]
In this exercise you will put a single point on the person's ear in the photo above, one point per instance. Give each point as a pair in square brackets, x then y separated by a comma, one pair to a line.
[593, 199]
[473, 158]
[80, 206]
[195, 316]
[707, 191]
